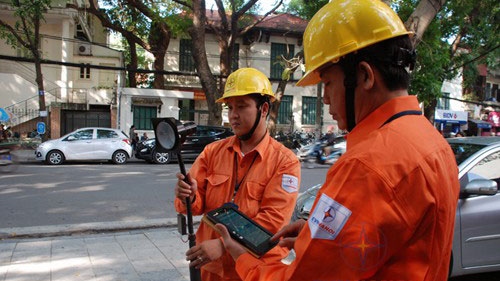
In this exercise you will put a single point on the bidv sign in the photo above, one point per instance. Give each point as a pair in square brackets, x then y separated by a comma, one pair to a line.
[451, 116]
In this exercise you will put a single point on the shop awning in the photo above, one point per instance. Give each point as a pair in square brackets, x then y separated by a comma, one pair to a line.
[481, 124]
[147, 101]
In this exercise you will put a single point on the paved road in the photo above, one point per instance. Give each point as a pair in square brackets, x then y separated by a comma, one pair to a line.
[76, 193]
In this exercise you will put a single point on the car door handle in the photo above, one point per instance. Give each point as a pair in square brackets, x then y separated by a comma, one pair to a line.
[194, 140]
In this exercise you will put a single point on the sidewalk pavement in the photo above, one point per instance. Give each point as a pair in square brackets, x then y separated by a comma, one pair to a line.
[109, 251]
[150, 250]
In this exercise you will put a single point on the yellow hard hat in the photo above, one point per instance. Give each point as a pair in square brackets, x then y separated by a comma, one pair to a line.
[344, 26]
[246, 81]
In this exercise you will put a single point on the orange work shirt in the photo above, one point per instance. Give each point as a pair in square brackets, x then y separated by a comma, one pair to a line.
[386, 210]
[267, 194]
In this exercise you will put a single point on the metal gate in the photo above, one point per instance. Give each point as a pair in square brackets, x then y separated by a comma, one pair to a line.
[72, 120]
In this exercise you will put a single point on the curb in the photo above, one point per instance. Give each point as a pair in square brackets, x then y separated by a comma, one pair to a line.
[86, 228]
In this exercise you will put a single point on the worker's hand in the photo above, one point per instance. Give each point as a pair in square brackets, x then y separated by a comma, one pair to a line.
[205, 252]
[233, 247]
[289, 234]
[184, 190]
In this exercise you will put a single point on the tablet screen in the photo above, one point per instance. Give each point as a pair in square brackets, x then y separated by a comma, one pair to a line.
[243, 227]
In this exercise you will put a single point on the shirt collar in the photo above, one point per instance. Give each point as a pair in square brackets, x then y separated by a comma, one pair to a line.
[261, 148]
[376, 119]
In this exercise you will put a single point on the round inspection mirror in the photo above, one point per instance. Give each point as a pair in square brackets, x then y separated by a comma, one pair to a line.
[166, 135]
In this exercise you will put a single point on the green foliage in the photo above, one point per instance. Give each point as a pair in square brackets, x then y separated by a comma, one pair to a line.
[123, 14]
[28, 13]
[305, 8]
[475, 23]
[478, 25]
[126, 16]
[473, 26]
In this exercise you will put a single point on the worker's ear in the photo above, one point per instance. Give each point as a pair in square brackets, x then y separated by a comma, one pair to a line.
[265, 108]
[366, 75]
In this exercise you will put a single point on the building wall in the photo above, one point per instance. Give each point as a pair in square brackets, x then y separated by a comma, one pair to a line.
[256, 55]
[169, 108]
[62, 84]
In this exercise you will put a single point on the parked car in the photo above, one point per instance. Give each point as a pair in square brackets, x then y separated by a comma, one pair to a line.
[190, 149]
[476, 243]
[86, 144]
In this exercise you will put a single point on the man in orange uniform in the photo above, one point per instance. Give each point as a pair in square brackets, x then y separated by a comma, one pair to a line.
[387, 208]
[250, 169]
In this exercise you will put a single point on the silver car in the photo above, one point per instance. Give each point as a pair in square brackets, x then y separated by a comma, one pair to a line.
[476, 243]
[86, 144]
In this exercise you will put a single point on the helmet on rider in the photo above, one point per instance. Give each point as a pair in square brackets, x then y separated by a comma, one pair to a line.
[249, 81]
[340, 31]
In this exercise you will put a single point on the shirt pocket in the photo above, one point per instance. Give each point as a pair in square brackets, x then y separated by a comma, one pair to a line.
[217, 192]
[251, 198]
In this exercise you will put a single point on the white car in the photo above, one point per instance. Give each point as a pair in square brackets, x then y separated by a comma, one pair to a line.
[86, 144]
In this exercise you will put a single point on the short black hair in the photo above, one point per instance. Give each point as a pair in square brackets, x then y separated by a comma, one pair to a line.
[261, 99]
[390, 57]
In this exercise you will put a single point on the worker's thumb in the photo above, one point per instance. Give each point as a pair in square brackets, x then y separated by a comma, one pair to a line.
[224, 233]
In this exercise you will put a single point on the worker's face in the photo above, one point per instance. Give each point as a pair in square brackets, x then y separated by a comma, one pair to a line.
[334, 95]
[242, 114]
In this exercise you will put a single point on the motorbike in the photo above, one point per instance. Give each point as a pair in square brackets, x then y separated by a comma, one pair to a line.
[8, 161]
[318, 153]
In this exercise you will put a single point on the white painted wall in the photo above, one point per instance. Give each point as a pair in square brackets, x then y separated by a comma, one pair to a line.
[169, 108]
[15, 89]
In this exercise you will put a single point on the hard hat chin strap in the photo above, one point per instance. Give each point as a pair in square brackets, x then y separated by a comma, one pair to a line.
[248, 135]
[349, 64]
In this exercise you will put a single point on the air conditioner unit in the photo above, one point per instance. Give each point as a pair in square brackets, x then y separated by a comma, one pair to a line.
[84, 49]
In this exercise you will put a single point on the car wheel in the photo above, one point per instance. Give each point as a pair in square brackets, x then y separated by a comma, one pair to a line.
[120, 157]
[54, 157]
[161, 157]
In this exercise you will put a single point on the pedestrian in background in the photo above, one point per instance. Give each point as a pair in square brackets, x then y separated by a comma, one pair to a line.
[250, 169]
[131, 132]
[387, 208]
[132, 135]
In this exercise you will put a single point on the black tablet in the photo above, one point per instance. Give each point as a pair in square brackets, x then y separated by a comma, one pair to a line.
[254, 237]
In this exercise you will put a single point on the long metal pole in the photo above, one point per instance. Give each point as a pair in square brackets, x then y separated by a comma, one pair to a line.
[194, 273]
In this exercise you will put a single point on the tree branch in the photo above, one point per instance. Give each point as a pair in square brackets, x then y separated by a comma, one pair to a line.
[246, 29]
[14, 33]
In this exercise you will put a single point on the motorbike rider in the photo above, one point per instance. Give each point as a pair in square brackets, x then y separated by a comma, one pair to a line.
[387, 208]
[329, 141]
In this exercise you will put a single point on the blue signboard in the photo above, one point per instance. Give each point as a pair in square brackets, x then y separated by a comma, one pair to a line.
[4, 116]
[40, 128]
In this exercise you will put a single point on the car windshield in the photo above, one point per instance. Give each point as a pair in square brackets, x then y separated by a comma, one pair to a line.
[463, 151]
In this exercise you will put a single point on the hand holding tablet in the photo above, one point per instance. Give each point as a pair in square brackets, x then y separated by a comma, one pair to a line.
[255, 238]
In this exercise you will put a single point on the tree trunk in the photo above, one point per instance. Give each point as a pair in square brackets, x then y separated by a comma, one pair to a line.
[132, 66]
[273, 116]
[429, 110]
[207, 79]
[290, 66]
[319, 111]
[39, 76]
[41, 95]
[422, 16]
[159, 38]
